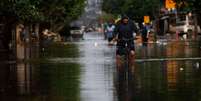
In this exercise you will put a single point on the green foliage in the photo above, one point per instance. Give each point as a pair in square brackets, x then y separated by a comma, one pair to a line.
[26, 10]
[49, 11]
[107, 17]
[113, 6]
[133, 8]
[193, 5]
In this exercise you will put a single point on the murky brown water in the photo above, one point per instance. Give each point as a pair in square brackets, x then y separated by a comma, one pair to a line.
[85, 71]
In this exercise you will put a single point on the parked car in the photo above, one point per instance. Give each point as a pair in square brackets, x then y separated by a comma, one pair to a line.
[76, 32]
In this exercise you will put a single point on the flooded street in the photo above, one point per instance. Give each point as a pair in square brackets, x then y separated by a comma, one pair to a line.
[85, 70]
[98, 67]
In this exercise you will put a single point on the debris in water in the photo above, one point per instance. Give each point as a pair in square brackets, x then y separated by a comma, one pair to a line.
[96, 44]
[197, 65]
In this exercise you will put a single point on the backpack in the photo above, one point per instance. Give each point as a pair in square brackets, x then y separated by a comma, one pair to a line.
[110, 28]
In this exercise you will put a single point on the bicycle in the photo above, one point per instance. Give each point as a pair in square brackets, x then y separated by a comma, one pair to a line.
[124, 75]
[127, 50]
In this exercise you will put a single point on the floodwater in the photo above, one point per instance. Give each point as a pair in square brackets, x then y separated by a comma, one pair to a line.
[84, 70]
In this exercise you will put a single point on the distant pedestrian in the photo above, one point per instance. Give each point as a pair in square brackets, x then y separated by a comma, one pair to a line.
[46, 38]
[145, 33]
[110, 31]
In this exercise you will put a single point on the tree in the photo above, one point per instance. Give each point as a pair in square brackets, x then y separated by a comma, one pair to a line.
[134, 8]
[56, 13]
[113, 6]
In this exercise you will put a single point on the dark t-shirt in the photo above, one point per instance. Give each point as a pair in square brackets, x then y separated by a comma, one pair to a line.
[125, 30]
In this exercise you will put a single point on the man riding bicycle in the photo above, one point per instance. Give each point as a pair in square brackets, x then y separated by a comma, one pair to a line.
[124, 34]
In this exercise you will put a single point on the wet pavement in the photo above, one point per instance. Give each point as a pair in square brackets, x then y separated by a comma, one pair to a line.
[84, 70]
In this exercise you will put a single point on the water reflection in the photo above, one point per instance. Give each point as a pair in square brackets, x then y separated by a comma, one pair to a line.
[98, 68]
[164, 72]
[162, 81]
[125, 86]
[40, 82]
[23, 72]
[60, 81]
[85, 71]
[172, 49]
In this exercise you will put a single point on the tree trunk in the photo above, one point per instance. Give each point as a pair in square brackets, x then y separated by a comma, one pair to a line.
[20, 47]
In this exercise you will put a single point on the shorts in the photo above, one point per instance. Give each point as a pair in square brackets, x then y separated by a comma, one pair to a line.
[121, 49]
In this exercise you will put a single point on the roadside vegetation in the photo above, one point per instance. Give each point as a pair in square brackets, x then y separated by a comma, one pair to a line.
[52, 14]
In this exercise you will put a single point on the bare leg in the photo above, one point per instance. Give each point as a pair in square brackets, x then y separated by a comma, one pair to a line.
[119, 63]
[132, 60]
